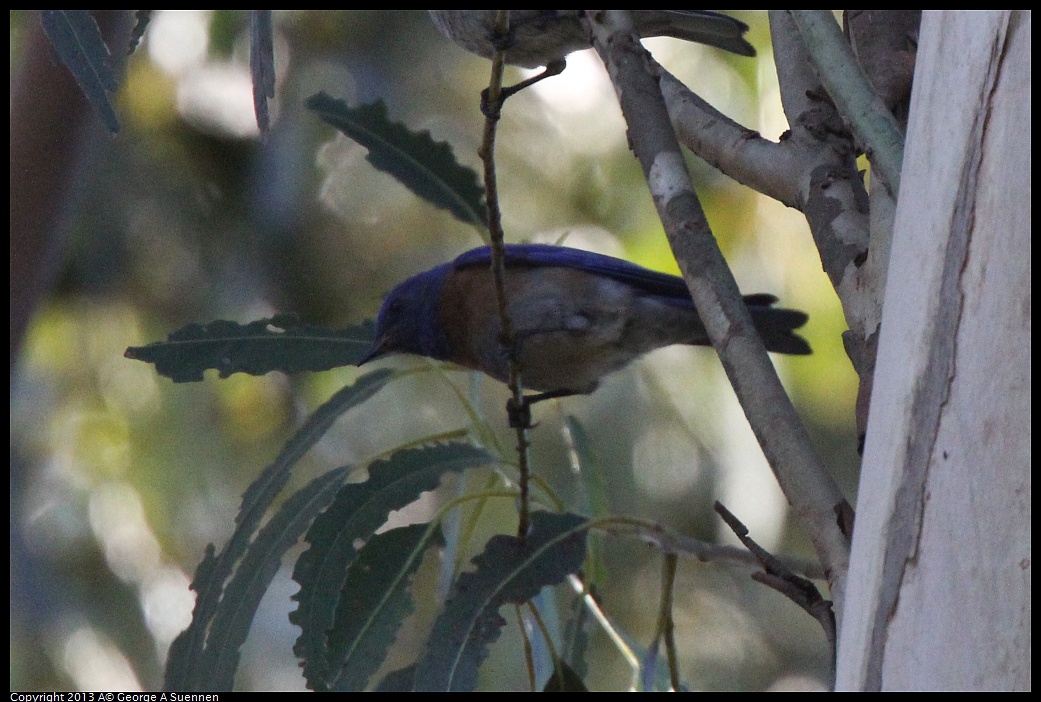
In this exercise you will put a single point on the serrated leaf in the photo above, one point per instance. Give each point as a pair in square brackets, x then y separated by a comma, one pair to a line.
[259, 565]
[374, 602]
[78, 42]
[281, 343]
[509, 570]
[426, 167]
[212, 573]
[141, 20]
[187, 648]
[357, 512]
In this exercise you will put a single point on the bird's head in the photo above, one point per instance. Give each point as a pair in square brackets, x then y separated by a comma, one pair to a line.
[408, 321]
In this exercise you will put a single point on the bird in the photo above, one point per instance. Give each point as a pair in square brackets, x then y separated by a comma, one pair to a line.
[543, 37]
[576, 316]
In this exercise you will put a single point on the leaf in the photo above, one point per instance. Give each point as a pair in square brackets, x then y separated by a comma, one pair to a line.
[357, 512]
[189, 644]
[565, 679]
[374, 602]
[78, 42]
[281, 343]
[141, 20]
[426, 167]
[259, 565]
[509, 571]
[210, 576]
[399, 680]
[261, 65]
[575, 640]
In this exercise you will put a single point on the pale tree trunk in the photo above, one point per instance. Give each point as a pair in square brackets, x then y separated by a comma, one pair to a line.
[939, 585]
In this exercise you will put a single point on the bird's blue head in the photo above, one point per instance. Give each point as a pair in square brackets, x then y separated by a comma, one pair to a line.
[408, 321]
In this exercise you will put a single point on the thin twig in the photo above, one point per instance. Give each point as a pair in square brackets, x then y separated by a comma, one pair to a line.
[487, 154]
[669, 541]
[777, 576]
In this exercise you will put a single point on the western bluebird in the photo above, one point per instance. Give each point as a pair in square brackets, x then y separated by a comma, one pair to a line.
[543, 37]
[576, 316]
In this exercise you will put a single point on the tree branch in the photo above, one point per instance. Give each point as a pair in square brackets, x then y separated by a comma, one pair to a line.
[784, 440]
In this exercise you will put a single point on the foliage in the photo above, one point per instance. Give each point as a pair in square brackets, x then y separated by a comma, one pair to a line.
[353, 597]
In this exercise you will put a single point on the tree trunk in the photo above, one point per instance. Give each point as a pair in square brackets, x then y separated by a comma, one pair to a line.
[939, 586]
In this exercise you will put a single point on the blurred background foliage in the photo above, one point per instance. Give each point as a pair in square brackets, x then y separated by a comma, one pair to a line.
[120, 477]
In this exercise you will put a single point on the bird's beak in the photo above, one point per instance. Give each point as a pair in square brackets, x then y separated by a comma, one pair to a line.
[378, 348]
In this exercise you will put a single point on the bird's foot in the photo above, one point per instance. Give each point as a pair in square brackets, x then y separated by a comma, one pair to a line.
[519, 414]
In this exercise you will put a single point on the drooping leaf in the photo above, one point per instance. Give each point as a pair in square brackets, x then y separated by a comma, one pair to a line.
[510, 570]
[259, 565]
[281, 343]
[262, 65]
[78, 42]
[141, 20]
[185, 656]
[426, 167]
[335, 536]
[188, 647]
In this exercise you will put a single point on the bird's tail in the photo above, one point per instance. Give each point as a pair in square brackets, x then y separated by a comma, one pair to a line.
[777, 325]
[702, 26]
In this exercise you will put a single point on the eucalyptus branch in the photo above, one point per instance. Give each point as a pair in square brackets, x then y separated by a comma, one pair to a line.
[865, 112]
[856, 262]
[783, 438]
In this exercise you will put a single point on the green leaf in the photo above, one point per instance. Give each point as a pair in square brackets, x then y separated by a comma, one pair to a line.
[141, 20]
[184, 661]
[259, 565]
[374, 602]
[565, 679]
[262, 65]
[281, 343]
[426, 167]
[510, 570]
[399, 680]
[358, 511]
[78, 42]
[187, 648]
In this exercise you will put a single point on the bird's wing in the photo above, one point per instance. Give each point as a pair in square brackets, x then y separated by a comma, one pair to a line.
[651, 282]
